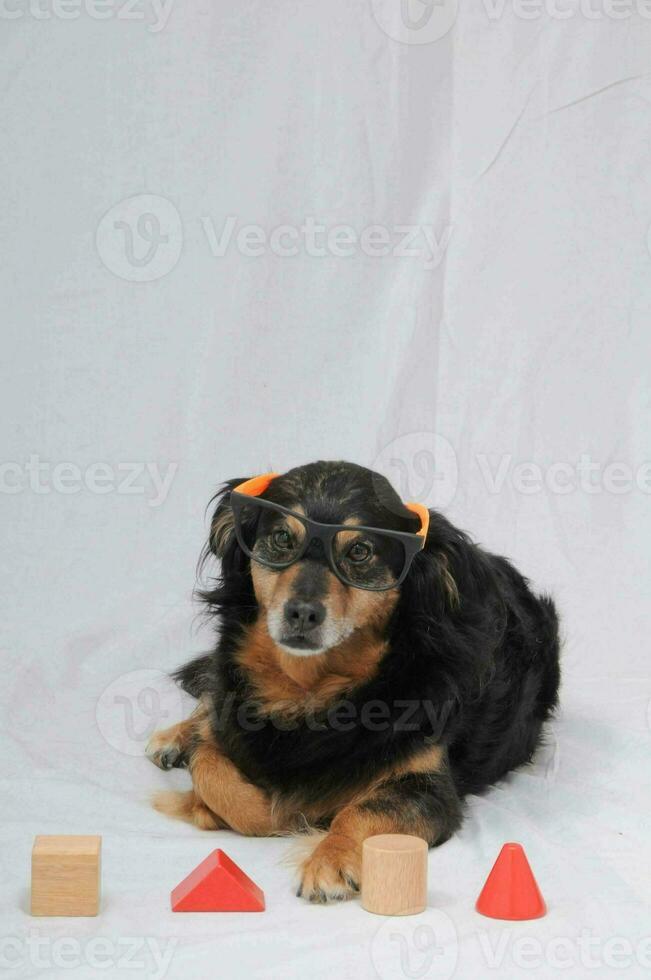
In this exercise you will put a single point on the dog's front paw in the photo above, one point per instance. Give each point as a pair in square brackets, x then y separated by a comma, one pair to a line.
[165, 752]
[332, 873]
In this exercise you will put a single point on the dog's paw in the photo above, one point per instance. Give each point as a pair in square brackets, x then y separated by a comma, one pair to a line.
[332, 873]
[164, 752]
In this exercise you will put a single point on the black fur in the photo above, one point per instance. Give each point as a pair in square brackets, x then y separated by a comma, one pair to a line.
[479, 667]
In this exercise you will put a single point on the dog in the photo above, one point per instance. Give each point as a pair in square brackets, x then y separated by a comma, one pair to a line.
[373, 667]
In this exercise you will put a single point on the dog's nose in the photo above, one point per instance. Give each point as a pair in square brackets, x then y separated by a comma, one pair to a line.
[303, 615]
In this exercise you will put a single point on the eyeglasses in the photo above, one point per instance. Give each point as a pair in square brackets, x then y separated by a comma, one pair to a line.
[363, 557]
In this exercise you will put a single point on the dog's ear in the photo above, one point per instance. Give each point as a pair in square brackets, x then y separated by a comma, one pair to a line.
[450, 608]
[233, 584]
[222, 540]
[438, 573]
[459, 570]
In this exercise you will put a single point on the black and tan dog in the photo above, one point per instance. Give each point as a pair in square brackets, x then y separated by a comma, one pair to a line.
[339, 701]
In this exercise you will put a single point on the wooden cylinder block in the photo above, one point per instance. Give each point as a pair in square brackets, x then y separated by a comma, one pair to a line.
[394, 874]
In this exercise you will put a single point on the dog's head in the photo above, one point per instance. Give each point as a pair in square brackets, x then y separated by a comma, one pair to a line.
[308, 608]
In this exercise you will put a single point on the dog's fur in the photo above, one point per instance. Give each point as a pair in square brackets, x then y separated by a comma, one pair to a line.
[387, 715]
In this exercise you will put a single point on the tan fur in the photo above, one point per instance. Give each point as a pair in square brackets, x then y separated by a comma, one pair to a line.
[449, 583]
[188, 807]
[216, 781]
[293, 686]
[364, 608]
[273, 588]
[356, 823]
[361, 608]
[333, 870]
[222, 787]
[431, 759]
[223, 526]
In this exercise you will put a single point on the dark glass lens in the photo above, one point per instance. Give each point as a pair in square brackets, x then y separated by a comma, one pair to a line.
[370, 560]
[268, 535]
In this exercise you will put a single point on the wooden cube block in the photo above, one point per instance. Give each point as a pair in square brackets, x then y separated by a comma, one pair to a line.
[66, 875]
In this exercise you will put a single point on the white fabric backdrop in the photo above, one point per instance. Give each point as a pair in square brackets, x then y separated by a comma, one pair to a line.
[155, 367]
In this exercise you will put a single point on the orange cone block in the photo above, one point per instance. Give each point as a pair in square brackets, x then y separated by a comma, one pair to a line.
[217, 885]
[511, 891]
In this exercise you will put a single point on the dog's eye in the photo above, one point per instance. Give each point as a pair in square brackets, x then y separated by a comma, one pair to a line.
[282, 539]
[360, 551]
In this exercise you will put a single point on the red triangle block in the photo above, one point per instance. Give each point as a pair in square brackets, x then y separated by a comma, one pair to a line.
[511, 891]
[217, 885]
